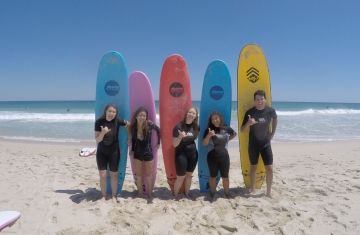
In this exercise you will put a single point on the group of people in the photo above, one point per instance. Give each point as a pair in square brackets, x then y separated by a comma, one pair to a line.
[260, 121]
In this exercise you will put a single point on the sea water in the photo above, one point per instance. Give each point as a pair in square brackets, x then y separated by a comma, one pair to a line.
[73, 121]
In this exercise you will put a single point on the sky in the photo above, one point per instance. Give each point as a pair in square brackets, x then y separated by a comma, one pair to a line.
[51, 49]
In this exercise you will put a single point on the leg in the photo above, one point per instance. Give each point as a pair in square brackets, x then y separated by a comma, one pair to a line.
[191, 165]
[226, 184]
[149, 183]
[252, 177]
[114, 183]
[212, 185]
[138, 173]
[269, 178]
[178, 183]
[102, 174]
[188, 179]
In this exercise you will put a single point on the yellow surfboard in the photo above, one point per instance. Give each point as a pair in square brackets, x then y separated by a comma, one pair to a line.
[253, 75]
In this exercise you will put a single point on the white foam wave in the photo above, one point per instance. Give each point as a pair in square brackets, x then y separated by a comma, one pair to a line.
[319, 112]
[46, 117]
[40, 139]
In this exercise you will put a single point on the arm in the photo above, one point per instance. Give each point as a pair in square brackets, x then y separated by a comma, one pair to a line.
[157, 129]
[246, 127]
[210, 133]
[233, 135]
[99, 135]
[273, 127]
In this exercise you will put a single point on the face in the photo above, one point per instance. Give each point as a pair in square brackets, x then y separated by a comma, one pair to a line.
[110, 113]
[215, 120]
[141, 117]
[260, 102]
[190, 116]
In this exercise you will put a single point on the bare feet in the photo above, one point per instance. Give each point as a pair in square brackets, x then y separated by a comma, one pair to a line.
[115, 199]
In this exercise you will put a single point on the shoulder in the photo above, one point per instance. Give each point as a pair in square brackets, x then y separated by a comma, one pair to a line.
[270, 110]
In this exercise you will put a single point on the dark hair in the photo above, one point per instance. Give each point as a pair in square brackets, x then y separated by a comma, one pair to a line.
[195, 123]
[133, 125]
[103, 116]
[211, 125]
[260, 93]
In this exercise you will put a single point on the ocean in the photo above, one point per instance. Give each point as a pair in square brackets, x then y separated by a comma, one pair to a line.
[73, 121]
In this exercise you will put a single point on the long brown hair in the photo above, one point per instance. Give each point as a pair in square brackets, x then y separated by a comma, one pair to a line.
[133, 125]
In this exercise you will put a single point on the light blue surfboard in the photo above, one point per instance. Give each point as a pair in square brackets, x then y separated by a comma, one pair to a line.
[112, 86]
[216, 96]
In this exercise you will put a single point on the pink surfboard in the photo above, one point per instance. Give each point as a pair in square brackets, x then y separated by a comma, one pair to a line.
[141, 94]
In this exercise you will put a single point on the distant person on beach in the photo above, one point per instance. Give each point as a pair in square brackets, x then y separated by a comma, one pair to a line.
[107, 155]
[141, 150]
[261, 122]
[217, 136]
[186, 155]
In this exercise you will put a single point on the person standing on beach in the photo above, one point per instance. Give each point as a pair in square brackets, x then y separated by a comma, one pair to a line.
[107, 154]
[217, 136]
[186, 155]
[260, 121]
[141, 150]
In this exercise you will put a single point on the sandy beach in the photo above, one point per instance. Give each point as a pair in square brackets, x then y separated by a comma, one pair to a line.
[316, 191]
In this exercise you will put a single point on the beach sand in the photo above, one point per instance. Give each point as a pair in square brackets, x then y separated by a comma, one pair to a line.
[316, 191]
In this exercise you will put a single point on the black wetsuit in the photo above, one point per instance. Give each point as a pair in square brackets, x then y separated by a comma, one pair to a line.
[142, 148]
[186, 155]
[107, 153]
[259, 136]
[218, 156]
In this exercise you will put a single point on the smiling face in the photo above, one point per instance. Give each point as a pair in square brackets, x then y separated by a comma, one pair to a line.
[110, 113]
[260, 102]
[216, 120]
[191, 115]
[141, 117]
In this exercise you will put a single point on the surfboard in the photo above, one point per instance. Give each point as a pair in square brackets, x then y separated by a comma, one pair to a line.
[141, 94]
[174, 101]
[253, 74]
[87, 152]
[8, 218]
[112, 86]
[216, 96]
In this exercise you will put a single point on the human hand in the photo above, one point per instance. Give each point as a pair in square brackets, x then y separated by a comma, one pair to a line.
[105, 129]
[251, 121]
[211, 132]
[182, 134]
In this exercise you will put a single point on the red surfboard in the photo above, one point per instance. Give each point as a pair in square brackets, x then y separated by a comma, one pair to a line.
[174, 101]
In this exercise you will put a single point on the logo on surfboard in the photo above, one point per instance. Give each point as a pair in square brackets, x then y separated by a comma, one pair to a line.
[253, 75]
[216, 92]
[112, 88]
[176, 89]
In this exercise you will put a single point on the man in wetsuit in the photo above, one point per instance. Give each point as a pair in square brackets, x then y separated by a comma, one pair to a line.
[261, 121]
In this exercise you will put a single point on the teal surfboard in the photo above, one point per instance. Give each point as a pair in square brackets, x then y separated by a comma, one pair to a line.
[216, 96]
[112, 86]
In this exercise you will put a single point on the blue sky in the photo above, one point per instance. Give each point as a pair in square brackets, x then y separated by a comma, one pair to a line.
[50, 50]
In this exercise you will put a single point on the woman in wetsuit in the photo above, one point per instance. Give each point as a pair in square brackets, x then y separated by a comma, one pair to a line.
[141, 150]
[216, 136]
[108, 152]
[186, 155]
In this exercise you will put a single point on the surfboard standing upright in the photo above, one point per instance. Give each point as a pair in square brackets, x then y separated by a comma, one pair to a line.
[175, 100]
[112, 87]
[141, 94]
[253, 74]
[216, 96]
